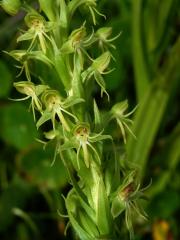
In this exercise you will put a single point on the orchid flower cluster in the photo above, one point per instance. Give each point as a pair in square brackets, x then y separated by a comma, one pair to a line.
[100, 192]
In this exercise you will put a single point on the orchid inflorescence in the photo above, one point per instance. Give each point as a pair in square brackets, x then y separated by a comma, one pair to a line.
[77, 129]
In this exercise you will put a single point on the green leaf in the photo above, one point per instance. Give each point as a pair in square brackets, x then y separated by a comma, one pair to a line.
[5, 80]
[66, 158]
[87, 224]
[74, 209]
[79, 230]
[17, 126]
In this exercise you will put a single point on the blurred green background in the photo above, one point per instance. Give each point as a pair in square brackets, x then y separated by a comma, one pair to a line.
[147, 73]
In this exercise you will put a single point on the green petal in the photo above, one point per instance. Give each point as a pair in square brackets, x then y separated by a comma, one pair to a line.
[26, 36]
[98, 137]
[86, 154]
[44, 118]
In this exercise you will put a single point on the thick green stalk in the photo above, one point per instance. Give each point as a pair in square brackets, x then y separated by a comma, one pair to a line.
[151, 110]
[158, 33]
[140, 58]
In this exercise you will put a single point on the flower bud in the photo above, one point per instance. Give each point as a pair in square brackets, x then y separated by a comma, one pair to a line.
[103, 33]
[24, 87]
[102, 62]
[11, 6]
[119, 108]
[74, 40]
[51, 134]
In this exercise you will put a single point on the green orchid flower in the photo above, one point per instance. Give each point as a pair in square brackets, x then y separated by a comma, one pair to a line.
[38, 28]
[83, 139]
[77, 43]
[91, 5]
[126, 198]
[102, 35]
[32, 91]
[56, 137]
[118, 113]
[55, 105]
[97, 69]
[24, 56]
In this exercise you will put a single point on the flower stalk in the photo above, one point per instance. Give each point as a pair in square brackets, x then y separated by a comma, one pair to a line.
[99, 194]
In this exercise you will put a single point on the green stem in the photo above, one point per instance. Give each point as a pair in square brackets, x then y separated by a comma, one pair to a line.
[151, 110]
[140, 58]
